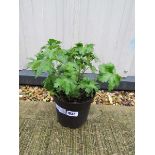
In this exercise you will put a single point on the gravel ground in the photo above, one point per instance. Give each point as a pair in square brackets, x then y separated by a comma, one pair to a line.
[35, 93]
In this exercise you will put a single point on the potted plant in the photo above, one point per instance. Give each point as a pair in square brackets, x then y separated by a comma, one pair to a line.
[73, 91]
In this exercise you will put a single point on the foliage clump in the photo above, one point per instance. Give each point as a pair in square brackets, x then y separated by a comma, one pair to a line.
[66, 70]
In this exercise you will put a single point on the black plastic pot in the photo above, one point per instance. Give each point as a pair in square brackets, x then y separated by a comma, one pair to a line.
[72, 114]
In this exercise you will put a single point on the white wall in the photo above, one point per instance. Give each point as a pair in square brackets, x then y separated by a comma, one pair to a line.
[109, 24]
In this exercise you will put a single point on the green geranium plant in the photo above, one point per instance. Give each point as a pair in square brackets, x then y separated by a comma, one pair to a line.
[66, 70]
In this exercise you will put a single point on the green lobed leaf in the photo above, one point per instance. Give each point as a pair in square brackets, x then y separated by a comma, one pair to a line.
[113, 82]
[107, 73]
[65, 85]
[88, 85]
[107, 68]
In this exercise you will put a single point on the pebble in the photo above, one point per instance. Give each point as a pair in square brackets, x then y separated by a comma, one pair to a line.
[20, 96]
